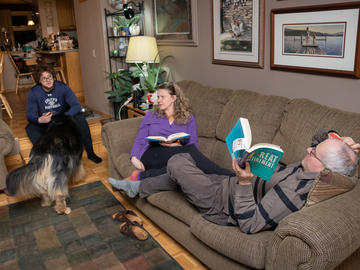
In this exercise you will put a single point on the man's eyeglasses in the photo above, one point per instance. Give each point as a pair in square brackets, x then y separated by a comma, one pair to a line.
[313, 153]
[50, 78]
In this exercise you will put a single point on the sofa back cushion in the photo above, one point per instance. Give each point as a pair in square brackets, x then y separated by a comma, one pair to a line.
[302, 118]
[264, 113]
[207, 105]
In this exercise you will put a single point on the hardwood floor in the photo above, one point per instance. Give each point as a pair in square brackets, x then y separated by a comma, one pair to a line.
[94, 172]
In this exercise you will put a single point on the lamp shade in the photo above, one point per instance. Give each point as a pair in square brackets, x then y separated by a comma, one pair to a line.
[30, 22]
[142, 49]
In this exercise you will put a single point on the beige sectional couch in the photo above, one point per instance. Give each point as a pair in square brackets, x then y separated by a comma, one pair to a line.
[7, 143]
[322, 236]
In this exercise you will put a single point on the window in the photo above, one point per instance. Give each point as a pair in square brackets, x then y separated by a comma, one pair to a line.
[19, 20]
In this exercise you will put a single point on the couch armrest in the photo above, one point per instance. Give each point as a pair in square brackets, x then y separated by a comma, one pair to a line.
[7, 139]
[118, 137]
[317, 237]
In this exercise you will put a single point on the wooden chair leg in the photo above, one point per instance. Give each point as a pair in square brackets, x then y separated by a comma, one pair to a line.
[63, 76]
[1, 83]
[17, 84]
[32, 77]
[6, 105]
[58, 77]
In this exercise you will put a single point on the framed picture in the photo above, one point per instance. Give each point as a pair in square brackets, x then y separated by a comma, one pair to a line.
[238, 32]
[175, 22]
[312, 39]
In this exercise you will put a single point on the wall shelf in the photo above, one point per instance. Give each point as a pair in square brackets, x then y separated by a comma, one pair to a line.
[119, 42]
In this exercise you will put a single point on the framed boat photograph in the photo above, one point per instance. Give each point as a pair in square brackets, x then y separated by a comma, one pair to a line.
[321, 39]
[238, 32]
[175, 22]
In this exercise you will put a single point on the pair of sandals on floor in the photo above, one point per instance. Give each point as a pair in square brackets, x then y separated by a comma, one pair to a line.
[131, 225]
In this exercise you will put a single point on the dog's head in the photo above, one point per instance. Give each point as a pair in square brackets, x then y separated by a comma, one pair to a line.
[60, 121]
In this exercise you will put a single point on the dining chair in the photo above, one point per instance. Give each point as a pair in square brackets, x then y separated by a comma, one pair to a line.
[21, 75]
[5, 103]
[60, 76]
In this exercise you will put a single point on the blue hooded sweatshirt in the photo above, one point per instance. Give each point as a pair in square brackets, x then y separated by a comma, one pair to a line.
[61, 99]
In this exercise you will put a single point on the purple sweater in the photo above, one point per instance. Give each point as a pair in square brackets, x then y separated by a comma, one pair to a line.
[152, 125]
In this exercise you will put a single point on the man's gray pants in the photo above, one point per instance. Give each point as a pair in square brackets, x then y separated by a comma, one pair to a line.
[202, 190]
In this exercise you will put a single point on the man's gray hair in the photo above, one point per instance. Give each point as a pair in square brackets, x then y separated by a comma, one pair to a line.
[341, 159]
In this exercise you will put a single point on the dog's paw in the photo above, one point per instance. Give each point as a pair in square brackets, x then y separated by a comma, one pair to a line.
[67, 211]
[43, 204]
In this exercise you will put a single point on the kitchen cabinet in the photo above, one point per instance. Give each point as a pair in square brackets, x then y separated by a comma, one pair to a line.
[66, 15]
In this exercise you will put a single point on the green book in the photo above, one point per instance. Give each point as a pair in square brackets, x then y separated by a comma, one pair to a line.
[263, 157]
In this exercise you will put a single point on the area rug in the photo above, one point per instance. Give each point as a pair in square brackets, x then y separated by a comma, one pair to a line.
[35, 237]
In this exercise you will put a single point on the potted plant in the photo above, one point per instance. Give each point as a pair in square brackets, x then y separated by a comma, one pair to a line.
[151, 75]
[121, 91]
[122, 23]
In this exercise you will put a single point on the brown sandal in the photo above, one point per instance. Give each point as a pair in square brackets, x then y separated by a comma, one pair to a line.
[133, 230]
[129, 215]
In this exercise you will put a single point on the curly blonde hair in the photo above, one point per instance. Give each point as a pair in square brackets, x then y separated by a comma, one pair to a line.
[182, 108]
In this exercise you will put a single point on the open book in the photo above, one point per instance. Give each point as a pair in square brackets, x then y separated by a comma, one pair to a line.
[171, 138]
[263, 157]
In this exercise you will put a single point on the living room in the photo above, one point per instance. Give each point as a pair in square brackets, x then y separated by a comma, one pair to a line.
[195, 62]
[217, 88]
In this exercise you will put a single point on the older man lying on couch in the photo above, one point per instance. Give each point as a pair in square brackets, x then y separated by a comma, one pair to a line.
[244, 200]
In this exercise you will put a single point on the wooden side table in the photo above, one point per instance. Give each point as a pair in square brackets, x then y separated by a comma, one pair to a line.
[134, 112]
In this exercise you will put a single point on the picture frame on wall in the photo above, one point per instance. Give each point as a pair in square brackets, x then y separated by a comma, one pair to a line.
[238, 32]
[316, 39]
[175, 22]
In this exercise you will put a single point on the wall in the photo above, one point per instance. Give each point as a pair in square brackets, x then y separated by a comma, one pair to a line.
[343, 93]
[93, 52]
[48, 17]
[9, 75]
[194, 63]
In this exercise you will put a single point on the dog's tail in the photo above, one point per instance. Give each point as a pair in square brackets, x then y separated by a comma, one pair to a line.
[32, 179]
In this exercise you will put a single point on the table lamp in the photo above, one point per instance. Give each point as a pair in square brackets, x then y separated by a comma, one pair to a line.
[142, 49]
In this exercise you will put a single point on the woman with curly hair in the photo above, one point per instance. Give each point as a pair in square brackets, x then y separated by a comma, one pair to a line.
[171, 115]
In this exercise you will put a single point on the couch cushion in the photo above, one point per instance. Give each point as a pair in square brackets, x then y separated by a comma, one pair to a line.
[221, 155]
[264, 113]
[328, 185]
[7, 140]
[207, 146]
[302, 118]
[207, 104]
[174, 204]
[248, 249]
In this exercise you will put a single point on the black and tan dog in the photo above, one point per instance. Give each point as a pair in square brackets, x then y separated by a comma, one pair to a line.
[55, 162]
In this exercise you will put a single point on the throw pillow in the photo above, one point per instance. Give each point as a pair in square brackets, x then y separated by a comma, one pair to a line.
[327, 185]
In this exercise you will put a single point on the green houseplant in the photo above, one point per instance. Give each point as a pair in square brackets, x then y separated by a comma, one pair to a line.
[151, 74]
[121, 91]
[123, 24]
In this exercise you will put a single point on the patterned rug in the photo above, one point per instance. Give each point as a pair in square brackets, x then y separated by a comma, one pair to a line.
[35, 237]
